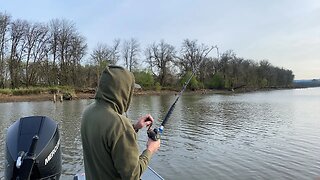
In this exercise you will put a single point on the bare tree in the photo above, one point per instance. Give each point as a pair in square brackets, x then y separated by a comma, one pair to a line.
[52, 67]
[114, 52]
[4, 28]
[103, 55]
[36, 51]
[130, 53]
[160, 57]
[99, 59]
[77, 52]
[67, 33]
[18, 42]
[191, 54]
[67, 47]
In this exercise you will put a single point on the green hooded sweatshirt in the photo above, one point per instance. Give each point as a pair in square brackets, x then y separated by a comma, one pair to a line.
[109, 141]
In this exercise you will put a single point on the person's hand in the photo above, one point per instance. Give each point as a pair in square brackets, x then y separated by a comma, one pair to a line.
[153, 146]
[144, 121]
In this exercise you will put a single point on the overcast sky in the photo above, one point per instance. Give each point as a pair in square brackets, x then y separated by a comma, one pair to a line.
[285, 32]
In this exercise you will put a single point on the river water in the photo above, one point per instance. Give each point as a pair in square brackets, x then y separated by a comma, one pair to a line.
[260, 135]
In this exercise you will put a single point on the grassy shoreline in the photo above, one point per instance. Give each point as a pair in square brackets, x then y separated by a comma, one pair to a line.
[46, 96]
[85, 94]
[37, 97]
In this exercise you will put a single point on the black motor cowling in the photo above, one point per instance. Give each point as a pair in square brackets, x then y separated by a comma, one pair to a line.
[33, 149]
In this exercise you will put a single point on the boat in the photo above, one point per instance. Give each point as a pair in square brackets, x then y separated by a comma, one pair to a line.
[149, 174]
[33, 151]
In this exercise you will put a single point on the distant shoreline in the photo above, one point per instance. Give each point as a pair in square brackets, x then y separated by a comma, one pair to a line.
[38, 97]
[49, 97]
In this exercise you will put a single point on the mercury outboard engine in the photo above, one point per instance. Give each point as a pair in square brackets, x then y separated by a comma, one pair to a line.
[33, 149]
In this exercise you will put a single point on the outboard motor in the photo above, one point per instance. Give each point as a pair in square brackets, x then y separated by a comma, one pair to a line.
[33, 149]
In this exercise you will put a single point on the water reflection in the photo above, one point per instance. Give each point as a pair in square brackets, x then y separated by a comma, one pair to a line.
[264, 135]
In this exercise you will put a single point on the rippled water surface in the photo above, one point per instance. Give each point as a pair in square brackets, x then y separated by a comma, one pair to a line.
[261, 135]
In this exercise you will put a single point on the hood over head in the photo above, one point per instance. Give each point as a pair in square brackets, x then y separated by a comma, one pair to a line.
[116, 86]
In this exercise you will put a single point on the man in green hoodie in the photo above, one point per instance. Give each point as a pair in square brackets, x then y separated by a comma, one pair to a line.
[109, 140]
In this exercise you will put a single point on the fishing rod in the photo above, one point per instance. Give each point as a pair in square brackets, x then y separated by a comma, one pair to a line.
[156, 132]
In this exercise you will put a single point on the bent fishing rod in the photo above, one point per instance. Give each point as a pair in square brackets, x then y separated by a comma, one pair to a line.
[156, 132]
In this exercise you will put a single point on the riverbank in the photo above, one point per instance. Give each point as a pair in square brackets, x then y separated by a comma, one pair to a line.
[49, 97]
[38, 97]
[82, 95]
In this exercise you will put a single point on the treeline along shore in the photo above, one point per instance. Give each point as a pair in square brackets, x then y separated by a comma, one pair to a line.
[35, 55]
